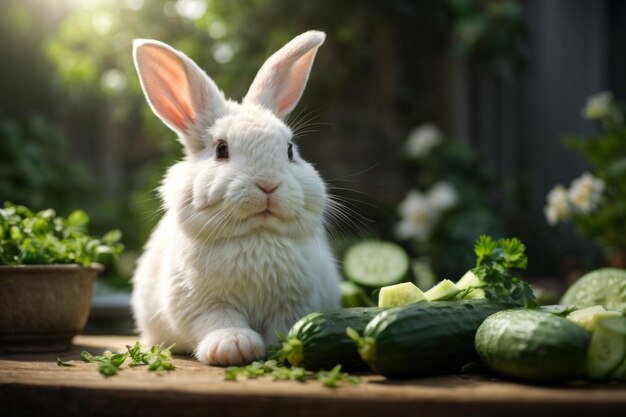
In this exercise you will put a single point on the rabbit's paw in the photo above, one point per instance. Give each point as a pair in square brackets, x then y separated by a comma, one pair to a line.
[232, 346]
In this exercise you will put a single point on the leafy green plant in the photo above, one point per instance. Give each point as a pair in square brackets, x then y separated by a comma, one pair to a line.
[596, 202]
[495, 260]
[44, 238]
[33, 167]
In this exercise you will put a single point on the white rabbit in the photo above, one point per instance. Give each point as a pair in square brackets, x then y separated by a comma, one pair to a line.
[241, 250]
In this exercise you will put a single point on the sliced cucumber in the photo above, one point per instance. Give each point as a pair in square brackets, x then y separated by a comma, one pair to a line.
[470, 284]
[608, 347]
[445, 290]
[399, 295]
[589, 317]
[469, 280]
[475, 294]
[375, 263]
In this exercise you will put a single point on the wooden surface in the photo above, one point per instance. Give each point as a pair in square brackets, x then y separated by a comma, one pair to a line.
[35, 385]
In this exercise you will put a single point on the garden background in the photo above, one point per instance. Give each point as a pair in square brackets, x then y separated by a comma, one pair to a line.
[493, 85]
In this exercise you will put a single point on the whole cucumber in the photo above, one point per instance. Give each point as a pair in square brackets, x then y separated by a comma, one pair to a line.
[532, 345]
[319, 340]
[426, 338]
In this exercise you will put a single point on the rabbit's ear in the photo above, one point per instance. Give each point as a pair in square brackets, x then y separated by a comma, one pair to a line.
[281, 80]
[178, 91]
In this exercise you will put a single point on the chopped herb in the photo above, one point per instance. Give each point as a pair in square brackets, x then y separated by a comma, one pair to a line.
[109, 363]
[61, 362]
[281, 372]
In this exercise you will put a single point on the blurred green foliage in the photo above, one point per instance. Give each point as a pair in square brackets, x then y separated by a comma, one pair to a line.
[78, 72]
[34, 169]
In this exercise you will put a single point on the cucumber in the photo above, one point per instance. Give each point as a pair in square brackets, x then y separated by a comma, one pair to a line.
[375, 263]
[470, 287]
[469, 279]
[425, 338]
[604, 286]
[588, 317]
[608, 348]
[399, 295]
[532, 345]
[318, 340]
[445, 290]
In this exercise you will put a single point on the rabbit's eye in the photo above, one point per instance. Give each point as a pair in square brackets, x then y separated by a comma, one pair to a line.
[221, 150]
[290, 152]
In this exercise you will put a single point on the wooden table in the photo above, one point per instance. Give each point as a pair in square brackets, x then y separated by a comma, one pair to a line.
[35, 385]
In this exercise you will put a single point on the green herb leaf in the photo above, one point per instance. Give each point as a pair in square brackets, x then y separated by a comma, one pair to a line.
[61, 362]
[156, 358]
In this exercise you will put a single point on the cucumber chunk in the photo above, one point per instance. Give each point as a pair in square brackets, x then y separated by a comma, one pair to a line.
[399, 295]
[469, 279]
[608, 347]
[475, 294]
[445, 290]
[589, 317]
[375, 263]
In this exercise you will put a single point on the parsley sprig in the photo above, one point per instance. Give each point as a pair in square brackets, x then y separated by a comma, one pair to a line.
[109, 363]
[495, 261]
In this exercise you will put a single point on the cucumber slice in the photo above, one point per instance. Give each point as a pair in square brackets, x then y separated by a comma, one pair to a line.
[445, 290]
[605, 286]
[470, 284]
[608, 347]
[354, 296]
[375, 263]
[589, 317]
[475, 294]
[469, 280]
[399, 295]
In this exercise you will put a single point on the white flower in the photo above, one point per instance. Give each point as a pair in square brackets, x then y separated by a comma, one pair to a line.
[442, 196]
[418, 217]
[585, 192]
[422, 139]
[598, 106]
[557, 208]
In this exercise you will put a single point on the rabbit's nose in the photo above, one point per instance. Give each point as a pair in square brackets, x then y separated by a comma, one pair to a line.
[267, 187]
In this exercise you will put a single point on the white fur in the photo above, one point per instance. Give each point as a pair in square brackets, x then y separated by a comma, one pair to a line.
[216, 277]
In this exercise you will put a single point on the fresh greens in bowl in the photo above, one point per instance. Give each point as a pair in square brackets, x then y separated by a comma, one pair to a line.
[43, 238]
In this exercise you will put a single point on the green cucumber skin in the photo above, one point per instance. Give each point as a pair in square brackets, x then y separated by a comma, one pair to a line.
[324, 340]
[533, 346]
[430, 338]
